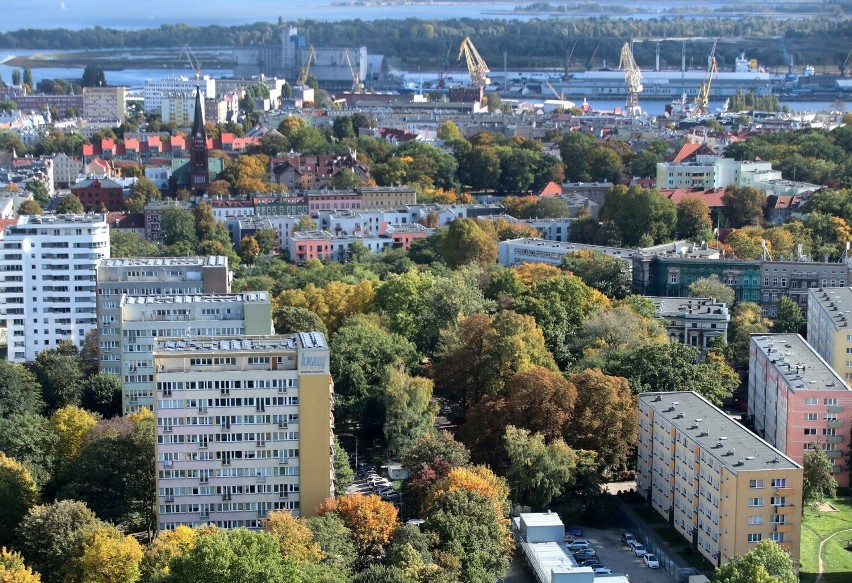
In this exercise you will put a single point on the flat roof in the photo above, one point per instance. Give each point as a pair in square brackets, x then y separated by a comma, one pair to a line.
[734, 446]
[248, 344]
[541, 519]
[798, 362]
[30, 220]
[212, 260]
[567, 247]
[837, 301]
[692, 307]
[247, 297]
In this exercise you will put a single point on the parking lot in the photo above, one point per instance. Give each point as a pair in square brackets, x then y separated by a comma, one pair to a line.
[368, 480]
[620, 558]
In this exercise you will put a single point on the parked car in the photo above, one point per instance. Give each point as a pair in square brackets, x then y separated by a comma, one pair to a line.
[639, 550]
[578, 544]
[627, 538]
[589, 562]
[575, 532]
[585, 551]
[651, 561]
[603, 571]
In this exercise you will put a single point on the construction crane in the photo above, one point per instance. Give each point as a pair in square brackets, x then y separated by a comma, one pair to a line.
[632, 80]
[845, 66]
[559, 96]
[591, 62]
[192, 59]
[357, 85]
[475, 64]
[305, 69]
[703, 97]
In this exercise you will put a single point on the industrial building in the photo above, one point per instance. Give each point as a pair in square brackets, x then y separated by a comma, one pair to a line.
[243, 428]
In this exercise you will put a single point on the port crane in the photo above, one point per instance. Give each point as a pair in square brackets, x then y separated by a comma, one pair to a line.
[703, 97]
[632, 80]
[192, 59]
[559, 96]
[844, 68]
[475, 64]
[357, 85]
[305, 69]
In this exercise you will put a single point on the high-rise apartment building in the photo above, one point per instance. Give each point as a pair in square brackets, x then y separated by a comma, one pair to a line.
[830, 327]
[243, 428]
[140, 276]
[797, 402]
[48, 271]
[105, 103]
[144, 319]
[721, 487]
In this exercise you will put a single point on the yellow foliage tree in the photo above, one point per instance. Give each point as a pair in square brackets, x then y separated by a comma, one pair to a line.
[168, 545]
[334, 304]
[71, 424]
[533, 273]
[477, 479]
[106, 557]
[295, 539]
[18, 493]
[372, 521]
[13, 569]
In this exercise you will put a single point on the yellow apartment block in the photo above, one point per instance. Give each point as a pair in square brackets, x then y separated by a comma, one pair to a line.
[244, 427]
[719, 485]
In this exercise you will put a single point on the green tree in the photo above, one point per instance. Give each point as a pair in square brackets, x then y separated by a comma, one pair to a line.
[18, 493]
[30, 207]
[819, 482]
[638, 213]
[744, 205]
[381, 574]
[69, 205]
[93, 77]
[467, 526]
[644, 164]
[28, 439]
[39, 192]
[618, 328]
[102, 394]
[401, 301]
[788, 317]
[142, 192]
[538, 472]
[123, 244]
[693, 219]
[306, 223]
[712, 287]
[466, 242]
[409, 409]
[335, 541]
[289, 319]
[608, 275]
[249, 250]
[343, 474]
[746, 319]
[449, 132]
[47, 535]
[20, 392]
[360, 351]
[767, 562]
[59, 376]
[434, 445]
[177, 225]
[266, 240]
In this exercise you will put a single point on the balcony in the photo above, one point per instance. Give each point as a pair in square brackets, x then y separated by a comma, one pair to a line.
[835, 409]
[783, 528]
[835, 424]
[834, 439]
[834, 454]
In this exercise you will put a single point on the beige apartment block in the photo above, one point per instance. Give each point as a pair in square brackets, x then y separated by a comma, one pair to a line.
[244, 427]
[720, 486]
[105, 103]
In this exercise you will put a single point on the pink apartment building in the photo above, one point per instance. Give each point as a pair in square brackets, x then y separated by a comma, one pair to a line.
[304, 245]
[797, 402]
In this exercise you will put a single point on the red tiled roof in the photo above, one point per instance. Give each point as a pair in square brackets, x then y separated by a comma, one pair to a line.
[551, 189]
[712, 196]
[687, 151]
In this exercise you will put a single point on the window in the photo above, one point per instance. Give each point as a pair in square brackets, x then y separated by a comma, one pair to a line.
[673, 278]
[810, 416]
[777, 536]
[812, 401]
[757, 484]
[810, 430]
[777, 519]
[830, 417]
[755, 519]
[779, 483]
[779, 501]
[755, 502]
[830, 402]
[754, 537]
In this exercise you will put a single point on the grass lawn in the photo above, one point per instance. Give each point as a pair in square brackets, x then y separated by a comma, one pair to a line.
[816, 526]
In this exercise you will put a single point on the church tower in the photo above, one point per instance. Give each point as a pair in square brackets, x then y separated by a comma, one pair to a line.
[199, 171]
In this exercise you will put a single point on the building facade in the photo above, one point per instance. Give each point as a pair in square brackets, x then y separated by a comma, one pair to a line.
[720, 486]
[105, 103]
[154, 89]
[797, 402]
[830, 327]
[243, 428]
[49, 271]
[99, 193]
[697, 322]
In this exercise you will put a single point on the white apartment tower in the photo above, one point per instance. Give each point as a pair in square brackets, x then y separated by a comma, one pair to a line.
[243, 428]
[48, 269]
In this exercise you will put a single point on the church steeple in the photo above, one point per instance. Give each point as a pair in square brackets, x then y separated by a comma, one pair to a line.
[198, 162]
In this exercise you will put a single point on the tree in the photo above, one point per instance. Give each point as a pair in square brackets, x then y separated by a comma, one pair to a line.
[343, 474]
[27, 438]
[130, 245]
[746, 319]
[290, 319]
[401, 301]
[434, 445]
[231, 556]
[39, 192]
[639, 212]
[466, 243]
[295, 539]
[306, 223]
[93, 77]
[360, 352]
[69, 205]
[335, 541]
[617, 328]
[102, 394]
[693, 219]
[71, 425]
[333, 303]
[249, 250]
[550, 208]
[166, 547]
[468, 526]
[266, 240]
[767, 562]
[712, 287]
[30, 207]
[88, 356]
[219, 189]
[142, 192]
[604, 418]
[371, 520]
[449, 132]
[744, 205]
[18, 493]
[59, 376]
[409, 409]
[788, 317]
[608, 275]
[47, 535]
[381, 574]
[177, 225]
[13, 569]
[746, 243]
[19, 390]
[538, 472]
[819, 482]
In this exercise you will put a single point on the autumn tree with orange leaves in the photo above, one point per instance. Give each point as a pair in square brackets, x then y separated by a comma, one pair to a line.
[372, 521]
